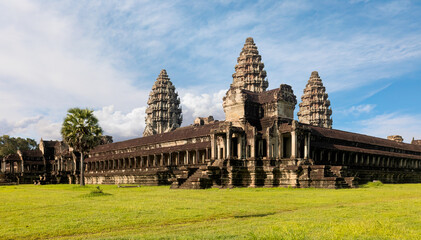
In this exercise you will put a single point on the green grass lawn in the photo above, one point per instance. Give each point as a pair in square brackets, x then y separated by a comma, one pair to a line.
[69, 211]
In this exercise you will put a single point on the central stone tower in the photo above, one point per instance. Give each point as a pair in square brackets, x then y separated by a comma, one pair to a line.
[249, 73]
[247, 100]
[164, 112]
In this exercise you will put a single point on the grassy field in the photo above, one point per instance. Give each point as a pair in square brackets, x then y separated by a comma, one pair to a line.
[73, 212]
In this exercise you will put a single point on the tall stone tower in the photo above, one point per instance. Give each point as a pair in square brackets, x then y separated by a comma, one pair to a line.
[164, 112]
[249, 73]
[314, 106]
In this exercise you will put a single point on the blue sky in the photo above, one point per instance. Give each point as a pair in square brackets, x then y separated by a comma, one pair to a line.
[105, 55]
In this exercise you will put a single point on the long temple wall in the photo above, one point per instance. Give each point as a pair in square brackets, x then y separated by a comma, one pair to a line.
[148, 164]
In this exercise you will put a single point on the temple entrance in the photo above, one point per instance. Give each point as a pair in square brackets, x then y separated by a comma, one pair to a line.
[286, 153]
[234, 146]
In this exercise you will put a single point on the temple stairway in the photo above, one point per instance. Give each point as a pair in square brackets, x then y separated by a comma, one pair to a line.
[221, 175]
[192, 178]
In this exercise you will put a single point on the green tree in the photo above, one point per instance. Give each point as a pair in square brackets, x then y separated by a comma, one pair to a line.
[81, 131]
[10, 145]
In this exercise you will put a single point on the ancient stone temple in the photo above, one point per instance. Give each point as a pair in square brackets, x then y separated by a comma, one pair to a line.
[259, 144]
[314, 106]
[249, 73]
[164, 112]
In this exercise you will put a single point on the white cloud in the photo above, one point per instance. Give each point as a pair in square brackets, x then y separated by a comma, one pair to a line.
[44, 56]
[118, 124]
[392, 124]
[201, 105]
[359, 109]
[30, 127]
[121, 125]
[58, 55]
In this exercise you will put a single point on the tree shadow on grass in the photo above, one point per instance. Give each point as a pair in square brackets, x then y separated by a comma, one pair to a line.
[254, 215]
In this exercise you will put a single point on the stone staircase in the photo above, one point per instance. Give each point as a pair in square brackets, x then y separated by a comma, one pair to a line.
[192, 178]
[219, 174]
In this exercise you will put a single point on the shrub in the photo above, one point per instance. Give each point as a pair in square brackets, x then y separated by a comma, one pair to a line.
[374, 184]
[96, 193]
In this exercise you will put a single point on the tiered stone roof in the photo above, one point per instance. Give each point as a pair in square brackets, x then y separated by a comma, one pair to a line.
[249, 73]
[164, 112]
[315, 106]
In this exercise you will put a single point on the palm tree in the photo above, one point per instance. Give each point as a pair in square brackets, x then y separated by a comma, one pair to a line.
[81, 131]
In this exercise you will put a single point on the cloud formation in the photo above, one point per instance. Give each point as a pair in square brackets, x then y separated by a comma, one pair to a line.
[202, 105]
[106, 55]
[121, 125]
[359, 109]
[392, 124]
[32, 126]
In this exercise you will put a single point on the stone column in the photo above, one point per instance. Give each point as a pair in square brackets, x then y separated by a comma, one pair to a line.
[305, 148]
[187, 158]
[293, 144]
[206, 153]
[213, 146]
[280, 145]
[162, 163]
[196, 158]
[177, 161]
[268, 146]
[228, 144]
[169, 159]
[253, 146]
[240, 146]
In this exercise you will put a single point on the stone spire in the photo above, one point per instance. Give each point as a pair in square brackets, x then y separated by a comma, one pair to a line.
[314, 106]
[249, 73]
[164, 112]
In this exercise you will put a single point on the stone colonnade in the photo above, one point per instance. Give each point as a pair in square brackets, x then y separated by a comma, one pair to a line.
[346, 158]
[230, 145]
[169, 159]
